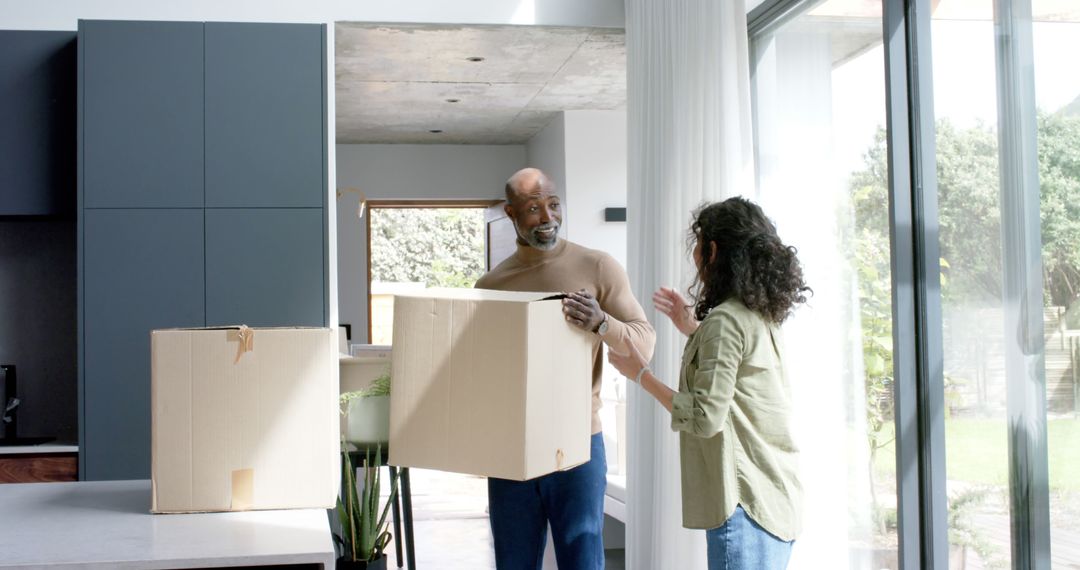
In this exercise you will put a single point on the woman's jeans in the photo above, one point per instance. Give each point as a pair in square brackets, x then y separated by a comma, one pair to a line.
[740, 544]
[571, 501]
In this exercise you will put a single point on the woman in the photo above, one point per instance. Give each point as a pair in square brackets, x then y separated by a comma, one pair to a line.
[732, 411]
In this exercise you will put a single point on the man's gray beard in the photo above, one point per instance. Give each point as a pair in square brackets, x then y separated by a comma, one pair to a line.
[534, 241]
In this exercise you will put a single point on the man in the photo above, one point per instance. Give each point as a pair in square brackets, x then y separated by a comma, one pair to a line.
[571, 501]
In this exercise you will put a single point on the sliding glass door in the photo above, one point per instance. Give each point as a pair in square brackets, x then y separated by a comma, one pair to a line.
[924, 156]
[1056, 44]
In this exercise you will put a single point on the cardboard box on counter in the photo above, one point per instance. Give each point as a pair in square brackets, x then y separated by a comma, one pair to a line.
[244, 418]
[489, 383]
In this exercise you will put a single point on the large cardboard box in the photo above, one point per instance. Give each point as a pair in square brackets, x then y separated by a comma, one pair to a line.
[489, 383]
[244, 418]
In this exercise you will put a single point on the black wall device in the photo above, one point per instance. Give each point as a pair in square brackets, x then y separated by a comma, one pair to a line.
[614, 214]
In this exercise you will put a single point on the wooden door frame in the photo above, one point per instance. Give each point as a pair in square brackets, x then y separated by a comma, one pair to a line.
[399, 204]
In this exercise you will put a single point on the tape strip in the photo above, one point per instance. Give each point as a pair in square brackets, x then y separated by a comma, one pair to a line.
[243, 489]
[559, 456]
[246, 336]
[363, 200]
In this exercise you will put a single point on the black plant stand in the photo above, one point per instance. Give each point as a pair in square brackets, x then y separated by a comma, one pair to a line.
[403, 502]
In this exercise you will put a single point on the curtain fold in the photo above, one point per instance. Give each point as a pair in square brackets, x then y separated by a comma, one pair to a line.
[690, 141]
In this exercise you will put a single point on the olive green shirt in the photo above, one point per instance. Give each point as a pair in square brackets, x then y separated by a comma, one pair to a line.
[733, 413]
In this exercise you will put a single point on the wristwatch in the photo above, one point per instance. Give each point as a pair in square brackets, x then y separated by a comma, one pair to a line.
[601, 329]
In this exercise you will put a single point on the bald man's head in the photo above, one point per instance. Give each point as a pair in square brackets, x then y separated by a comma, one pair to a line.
[526, 181]
[534, 207]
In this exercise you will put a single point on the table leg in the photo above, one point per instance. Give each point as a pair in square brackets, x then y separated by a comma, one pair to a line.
[397, 518]
[406, 503]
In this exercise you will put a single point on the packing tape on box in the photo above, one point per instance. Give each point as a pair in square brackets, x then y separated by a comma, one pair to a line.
[243, 489]
[360, 207]
[246, 336]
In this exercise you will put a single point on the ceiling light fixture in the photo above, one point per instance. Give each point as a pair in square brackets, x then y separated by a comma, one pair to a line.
[475, 59]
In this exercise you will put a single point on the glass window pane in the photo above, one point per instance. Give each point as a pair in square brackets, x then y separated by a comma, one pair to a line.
[1056, 39]
[819, 98]
[415, 248]
[976, 335]
[976, 444]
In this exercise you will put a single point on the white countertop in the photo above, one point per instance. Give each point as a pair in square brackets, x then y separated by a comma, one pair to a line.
[43, 448]
[108, 524]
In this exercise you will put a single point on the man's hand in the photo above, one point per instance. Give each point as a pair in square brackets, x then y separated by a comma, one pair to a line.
[582, 310]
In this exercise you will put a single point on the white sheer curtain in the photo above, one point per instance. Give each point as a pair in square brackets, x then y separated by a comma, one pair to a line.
[801, 189]
[690, 141]
[815, 118]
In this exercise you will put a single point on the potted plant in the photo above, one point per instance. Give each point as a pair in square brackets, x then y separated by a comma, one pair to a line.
[367, 411]
[364, 533]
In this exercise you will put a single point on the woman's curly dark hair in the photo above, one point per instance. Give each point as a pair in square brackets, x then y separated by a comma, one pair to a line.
[751, 263]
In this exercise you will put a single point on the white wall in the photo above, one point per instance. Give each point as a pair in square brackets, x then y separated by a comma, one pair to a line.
[64, 14]
[584, 154]
[406, 172]
[596, 179]
[547, 151]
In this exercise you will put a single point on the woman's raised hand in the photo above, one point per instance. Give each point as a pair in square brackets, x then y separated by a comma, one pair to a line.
[627, 360]
[674, 305]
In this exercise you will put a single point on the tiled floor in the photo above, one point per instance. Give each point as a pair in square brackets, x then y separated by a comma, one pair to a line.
[451, 524]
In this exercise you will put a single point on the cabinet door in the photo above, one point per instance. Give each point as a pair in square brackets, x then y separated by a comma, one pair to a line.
[142, 270]
[142, 116]
[37, 123]
[265, 119]
[265, 267]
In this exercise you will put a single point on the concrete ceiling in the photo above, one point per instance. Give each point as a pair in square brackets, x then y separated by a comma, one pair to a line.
[393, 81]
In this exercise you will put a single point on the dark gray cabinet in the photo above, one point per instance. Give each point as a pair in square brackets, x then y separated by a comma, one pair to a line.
[264, 267]
[264, 115]
[37, 123]
[202, 203]
[143, 269]
[142, 116]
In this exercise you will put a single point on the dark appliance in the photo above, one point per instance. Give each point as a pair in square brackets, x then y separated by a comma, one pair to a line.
[9, 408]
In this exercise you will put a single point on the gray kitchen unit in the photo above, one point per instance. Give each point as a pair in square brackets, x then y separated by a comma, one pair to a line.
[202, 201]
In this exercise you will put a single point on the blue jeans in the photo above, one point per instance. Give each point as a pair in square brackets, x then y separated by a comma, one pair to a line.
[740, 544]
[571, 501]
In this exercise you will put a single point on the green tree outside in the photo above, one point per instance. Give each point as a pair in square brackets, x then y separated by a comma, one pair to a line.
[969, 218]
[439, 247]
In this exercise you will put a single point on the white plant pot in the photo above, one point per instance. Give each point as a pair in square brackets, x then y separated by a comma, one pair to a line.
[368, 421]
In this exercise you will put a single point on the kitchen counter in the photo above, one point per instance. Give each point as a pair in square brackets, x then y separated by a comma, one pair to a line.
[107, 524]
[43, 448]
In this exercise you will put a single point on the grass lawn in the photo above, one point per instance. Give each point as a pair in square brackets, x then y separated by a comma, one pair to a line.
[976, 451]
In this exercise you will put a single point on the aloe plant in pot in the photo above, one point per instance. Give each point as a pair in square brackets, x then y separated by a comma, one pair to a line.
[364, 533]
